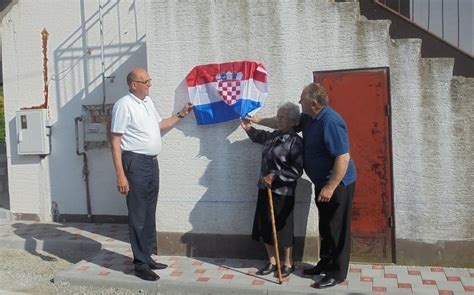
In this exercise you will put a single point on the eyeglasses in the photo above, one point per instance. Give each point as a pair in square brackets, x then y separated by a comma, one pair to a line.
[147, 82]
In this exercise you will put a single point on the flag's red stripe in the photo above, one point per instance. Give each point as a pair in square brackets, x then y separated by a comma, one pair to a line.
[207, 73]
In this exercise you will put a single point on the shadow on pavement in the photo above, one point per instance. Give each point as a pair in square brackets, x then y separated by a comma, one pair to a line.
[75, 243]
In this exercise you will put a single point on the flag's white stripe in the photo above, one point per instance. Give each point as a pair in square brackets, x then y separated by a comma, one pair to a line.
[207, 93]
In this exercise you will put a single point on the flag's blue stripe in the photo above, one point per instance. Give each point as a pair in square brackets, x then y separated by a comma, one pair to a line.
[217, 112]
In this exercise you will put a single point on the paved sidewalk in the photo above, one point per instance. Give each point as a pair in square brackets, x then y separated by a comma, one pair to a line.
[112, 266]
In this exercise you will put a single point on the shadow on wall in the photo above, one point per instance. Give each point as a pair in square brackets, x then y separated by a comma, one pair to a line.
[228, 205]
[76, 81]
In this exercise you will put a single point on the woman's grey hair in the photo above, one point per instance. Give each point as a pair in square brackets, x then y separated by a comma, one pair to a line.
[293, 112]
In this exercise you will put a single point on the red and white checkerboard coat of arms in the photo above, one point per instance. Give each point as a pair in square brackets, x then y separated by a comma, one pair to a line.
[229, 90]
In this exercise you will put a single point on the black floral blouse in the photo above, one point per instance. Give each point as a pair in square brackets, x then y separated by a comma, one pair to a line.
[282, 155]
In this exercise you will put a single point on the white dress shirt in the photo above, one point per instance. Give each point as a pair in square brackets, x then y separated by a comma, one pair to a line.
[138, 122]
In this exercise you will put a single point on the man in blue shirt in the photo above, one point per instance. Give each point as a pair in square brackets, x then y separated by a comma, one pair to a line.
[328, 164]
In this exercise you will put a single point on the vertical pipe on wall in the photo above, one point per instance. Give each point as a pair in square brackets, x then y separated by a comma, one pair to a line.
[442, 18]
[459, 20]
[102, 60]
[85, 169]
[44, 37]
[429, 12]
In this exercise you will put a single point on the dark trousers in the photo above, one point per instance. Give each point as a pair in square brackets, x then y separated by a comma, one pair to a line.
[142, 173]
[335, 231]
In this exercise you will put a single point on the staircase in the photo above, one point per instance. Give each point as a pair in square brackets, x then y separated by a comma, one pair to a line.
[432, 45]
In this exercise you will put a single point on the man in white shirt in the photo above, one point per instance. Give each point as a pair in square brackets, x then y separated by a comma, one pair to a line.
[136, 143]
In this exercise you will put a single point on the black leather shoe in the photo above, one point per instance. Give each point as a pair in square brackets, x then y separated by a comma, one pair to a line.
[317, 270]
[327, 282]
[286, 271]
[147, 275]
[156, 265]
[267, 269]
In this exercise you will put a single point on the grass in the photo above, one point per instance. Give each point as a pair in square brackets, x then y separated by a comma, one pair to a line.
[2, 117]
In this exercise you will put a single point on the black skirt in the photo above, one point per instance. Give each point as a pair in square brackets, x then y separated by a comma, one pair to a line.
[284, 220]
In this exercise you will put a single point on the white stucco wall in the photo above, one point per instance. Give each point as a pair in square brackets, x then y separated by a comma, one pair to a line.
[433, 195]
[75, 79]
[217, 166]
[222, 164]
[208, 173]
[432, 135]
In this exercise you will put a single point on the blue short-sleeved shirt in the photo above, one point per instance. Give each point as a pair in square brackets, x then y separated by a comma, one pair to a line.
[325, 138]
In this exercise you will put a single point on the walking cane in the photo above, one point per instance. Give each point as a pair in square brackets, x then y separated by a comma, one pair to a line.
[275, 240]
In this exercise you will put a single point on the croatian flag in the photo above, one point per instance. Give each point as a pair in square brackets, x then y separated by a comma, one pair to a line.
[223, 92]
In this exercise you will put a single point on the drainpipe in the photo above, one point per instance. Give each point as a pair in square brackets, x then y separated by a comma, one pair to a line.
[102, 57]
[85, 169]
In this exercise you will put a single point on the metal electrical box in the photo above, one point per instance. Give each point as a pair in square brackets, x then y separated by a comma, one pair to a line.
[96, 121]
[33, 132]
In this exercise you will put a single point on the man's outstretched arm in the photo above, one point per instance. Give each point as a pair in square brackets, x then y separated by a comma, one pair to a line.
[171, 121]
[268, 122]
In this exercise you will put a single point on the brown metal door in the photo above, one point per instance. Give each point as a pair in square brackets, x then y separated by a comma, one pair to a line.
[361, 97]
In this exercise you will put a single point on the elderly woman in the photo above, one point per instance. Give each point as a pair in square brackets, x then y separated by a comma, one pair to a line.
[282, 165]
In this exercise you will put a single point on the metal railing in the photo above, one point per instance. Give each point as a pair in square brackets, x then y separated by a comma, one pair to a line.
[433, 16]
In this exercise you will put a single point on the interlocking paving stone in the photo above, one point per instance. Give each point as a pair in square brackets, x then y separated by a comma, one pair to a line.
[366, 279]
[297, 281]
[453, 278]
[437, 276]
[424, 288]
[370, 272]
[413, 280]
[355, 269]
[385, 282]
[360, 286]
[452, 286]
[339, 287]
[398, 270]
[379, 289]
[404, 285]
[418, 268]
[393, 290]
[460, 272]
[353, 276]
[390, 276]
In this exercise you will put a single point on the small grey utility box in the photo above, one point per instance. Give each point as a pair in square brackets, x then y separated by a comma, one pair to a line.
[33, 132]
